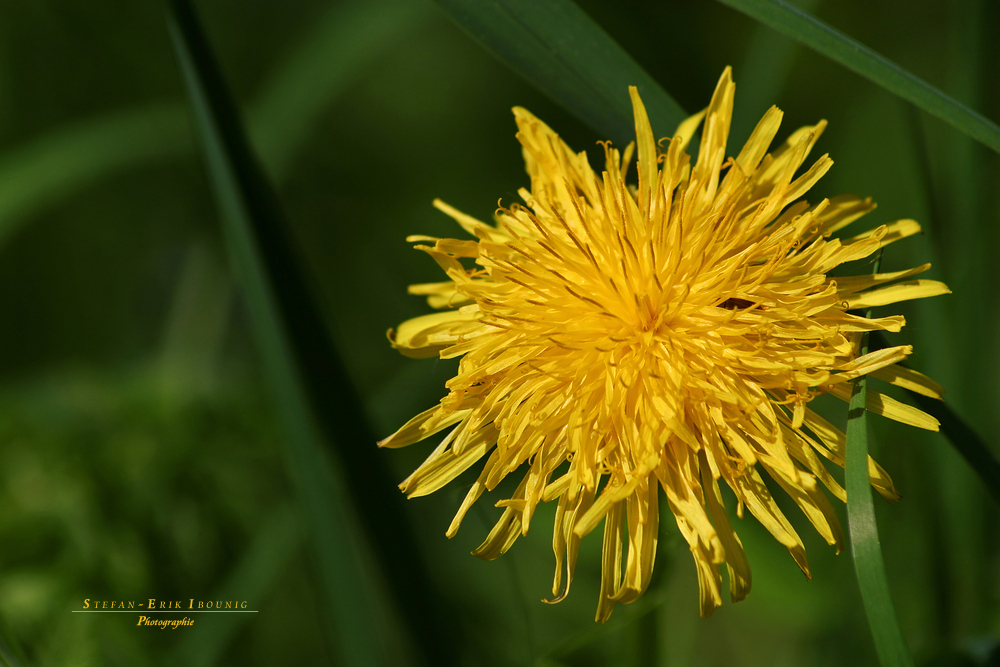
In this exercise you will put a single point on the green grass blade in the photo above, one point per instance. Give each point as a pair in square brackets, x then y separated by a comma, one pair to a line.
[968, 443]
[865, 548]
[762, 74]
[45, 171]
[313, 391]
[242, 213]
[566, 55]
[254, 577]
[346, 40]
[801, 26]
[963, 437]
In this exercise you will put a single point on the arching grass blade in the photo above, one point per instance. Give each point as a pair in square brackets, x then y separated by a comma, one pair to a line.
[801, 26]
[968, 443]
[566, 55]
[40, 173]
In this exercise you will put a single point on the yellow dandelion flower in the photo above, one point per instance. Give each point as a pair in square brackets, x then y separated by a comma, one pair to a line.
[617, 340]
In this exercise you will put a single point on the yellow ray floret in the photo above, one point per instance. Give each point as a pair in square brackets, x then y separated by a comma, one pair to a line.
[621, 340]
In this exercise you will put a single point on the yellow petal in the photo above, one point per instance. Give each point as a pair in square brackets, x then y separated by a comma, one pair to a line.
[611, 562]
[444, 465]
[871, 362]
[849, 284]
[504, 533]
[890, 233]
[737, 565]
[647, 148]
[910, 379]
[836, 441]
[889, 407]
[911, 289]
[642, 516]
[424, 425]
[842, 211]
[475, 227]
[425, 336]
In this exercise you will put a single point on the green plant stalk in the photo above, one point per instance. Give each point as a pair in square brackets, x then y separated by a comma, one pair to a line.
[865, 548]
[311, 474]
[813, 33]
[316, 401]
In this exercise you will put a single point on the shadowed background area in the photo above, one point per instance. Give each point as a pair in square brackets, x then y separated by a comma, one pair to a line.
[139, 447]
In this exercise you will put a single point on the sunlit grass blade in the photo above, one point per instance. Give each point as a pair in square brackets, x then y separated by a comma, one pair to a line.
[254, 577]
[865, 548]
[801, 26]
[566, 55]
[313, 392]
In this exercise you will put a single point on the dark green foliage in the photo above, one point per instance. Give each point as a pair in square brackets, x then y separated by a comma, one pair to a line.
[141, 450]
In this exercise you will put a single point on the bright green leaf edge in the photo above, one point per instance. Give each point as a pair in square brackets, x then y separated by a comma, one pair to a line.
[865, 548]
[569, 57]
[818, 36]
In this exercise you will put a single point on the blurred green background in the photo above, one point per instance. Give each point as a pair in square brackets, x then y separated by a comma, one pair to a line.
[139, 449]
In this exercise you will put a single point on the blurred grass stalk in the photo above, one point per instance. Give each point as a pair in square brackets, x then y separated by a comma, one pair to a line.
[345, 41]
[346, 594]
[363, 572]
[254, 577]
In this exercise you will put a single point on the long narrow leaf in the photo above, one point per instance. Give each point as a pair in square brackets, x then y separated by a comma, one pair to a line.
[313, 391]
[963, 437]
[801, 26]
[865, 548]
[65, 161]
[566, 55]
[968, 443]
[244, 208]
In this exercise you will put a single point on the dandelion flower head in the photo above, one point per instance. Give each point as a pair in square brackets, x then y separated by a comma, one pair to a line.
[621, 341]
